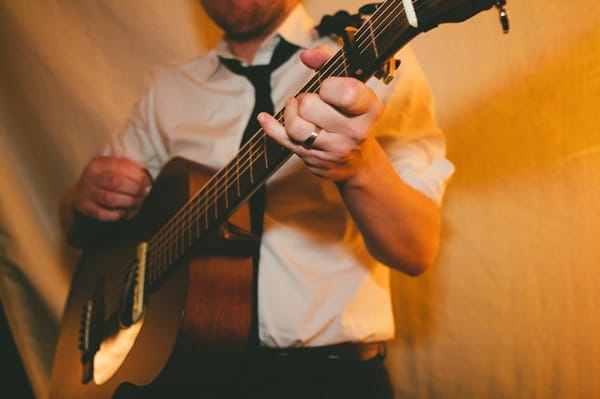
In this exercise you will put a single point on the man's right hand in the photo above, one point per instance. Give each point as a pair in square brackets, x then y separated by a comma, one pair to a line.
[110, 188]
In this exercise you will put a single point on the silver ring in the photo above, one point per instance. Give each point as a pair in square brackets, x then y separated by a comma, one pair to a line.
[311, 138]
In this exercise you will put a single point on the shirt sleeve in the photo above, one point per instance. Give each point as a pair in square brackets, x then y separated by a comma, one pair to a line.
[408, 131]
[140, 140]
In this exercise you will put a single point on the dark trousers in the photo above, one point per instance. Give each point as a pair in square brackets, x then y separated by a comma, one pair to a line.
[314, 376]
[345, 371]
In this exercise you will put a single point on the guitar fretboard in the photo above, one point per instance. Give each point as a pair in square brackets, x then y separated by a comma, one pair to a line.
[378, 39]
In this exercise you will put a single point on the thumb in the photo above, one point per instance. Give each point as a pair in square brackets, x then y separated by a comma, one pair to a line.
[314, 58]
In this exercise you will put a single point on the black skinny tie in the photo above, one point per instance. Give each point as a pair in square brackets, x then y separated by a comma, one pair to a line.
[260, 77]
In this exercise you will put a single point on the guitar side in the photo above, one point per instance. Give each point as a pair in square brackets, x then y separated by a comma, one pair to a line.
[197, 321]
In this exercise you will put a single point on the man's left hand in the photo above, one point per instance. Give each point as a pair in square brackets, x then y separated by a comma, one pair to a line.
[341, 115]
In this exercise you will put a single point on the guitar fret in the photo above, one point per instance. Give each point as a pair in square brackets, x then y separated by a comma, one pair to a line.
[250, 156]
[205, 213]
[220, 204]
[372, 37]
[237, 175]
[157, 268]
[189, 233]
[197, 222]
[226, 190]
[179, 239]
[159, 259]
[264, 151]
[231, 187]
[178, 243]
[345, 66]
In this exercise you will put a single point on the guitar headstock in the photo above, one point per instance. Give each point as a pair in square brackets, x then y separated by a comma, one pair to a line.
[443, 11]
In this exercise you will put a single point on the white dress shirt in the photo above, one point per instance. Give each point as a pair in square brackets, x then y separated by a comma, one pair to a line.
[318, 284]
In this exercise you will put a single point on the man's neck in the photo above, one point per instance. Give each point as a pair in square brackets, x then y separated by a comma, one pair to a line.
[245, 47]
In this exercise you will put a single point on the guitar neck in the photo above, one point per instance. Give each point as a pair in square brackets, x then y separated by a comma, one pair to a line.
[375, 42]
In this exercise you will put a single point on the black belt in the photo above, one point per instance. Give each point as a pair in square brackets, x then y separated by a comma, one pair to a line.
[344, 351]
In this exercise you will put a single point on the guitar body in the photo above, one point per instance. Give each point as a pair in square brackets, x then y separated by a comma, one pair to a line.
[196, 323]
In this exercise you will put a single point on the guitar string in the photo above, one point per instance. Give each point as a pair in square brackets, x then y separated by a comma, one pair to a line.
[203, 204]
[255, 147]
[161, 245]
[207, 200]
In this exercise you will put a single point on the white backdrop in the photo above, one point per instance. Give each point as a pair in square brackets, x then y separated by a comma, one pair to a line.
[510, 310]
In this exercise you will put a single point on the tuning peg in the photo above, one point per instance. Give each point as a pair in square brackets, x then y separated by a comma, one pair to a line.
[503, 15]
[388, 70]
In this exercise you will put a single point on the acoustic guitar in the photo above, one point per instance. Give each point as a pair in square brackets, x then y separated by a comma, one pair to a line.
[165, 303]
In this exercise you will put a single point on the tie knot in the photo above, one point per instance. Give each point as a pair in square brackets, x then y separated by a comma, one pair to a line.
[258, 75]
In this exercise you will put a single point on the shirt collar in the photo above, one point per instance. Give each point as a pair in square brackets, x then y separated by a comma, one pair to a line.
[298, 28]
